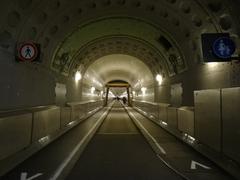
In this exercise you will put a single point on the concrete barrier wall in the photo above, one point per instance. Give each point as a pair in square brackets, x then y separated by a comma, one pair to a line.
[231, 122]
[45, 122]
[181, 119]
[172, 117]
[163, 108]
[93, 105]
[80, 110]
[139, 104]
[15, 133]
[19, 129]
[214, 120]
[152, 109]
[65, 116]
[208, 117]
[185, 116]
[158, 111]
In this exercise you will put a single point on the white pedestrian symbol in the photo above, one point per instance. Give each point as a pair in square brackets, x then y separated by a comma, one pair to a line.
[223, 48]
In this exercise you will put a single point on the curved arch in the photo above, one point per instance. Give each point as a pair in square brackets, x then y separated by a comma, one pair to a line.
[119, 67]
[148, 38]
[158, 64]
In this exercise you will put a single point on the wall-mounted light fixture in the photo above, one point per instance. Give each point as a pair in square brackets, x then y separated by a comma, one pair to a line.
[159, 78]
[92, 90]
[143, 89]
[78, 76]
[212, 65]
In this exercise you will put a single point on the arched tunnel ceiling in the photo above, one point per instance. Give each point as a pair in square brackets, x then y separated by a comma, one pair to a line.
[56, 22]
[113, 45]
[124, 35]
[120, 67]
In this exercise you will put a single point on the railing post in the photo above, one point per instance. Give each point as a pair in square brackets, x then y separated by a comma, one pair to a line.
[106, 98]
[129, 98]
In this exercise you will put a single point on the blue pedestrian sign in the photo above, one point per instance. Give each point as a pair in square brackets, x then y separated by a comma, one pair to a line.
[224, 47]
[217, 47]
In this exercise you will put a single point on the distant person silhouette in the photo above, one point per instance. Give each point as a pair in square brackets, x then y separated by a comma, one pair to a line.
[124, 99]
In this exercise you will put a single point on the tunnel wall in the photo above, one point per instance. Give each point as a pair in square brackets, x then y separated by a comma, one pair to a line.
[91, 79]
[179, 90]
[28, 84]
[87, 95]
[149, 95]
[206, 76]
[162, 93]
[24, 85]
[18, 22]
[74, 90]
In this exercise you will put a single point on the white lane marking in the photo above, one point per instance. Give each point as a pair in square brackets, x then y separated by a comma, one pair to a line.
[146, 131]
[194, 163]
[24, 176]
[75, 150]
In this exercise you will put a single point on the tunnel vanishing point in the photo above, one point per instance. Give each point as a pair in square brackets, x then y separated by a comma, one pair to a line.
[67, 65]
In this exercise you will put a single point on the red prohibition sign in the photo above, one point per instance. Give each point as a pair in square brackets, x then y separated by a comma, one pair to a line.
[28, 51]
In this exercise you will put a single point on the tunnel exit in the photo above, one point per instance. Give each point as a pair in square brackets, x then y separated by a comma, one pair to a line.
[124, 87]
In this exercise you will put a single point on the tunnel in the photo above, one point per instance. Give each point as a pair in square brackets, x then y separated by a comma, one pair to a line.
[119, 89]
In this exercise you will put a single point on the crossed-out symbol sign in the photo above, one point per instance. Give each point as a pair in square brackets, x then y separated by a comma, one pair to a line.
[28, 51]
